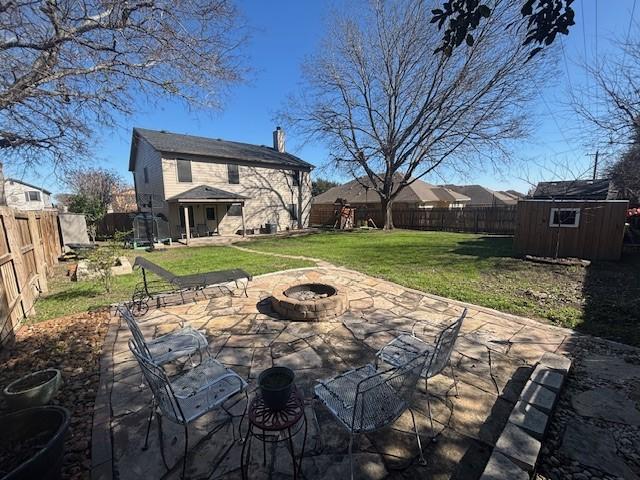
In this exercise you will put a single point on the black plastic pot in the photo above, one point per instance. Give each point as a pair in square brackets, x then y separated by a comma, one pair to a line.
[38, 434]
[276, 384]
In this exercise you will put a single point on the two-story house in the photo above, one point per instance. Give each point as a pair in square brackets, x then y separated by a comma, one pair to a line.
[25, 196]
[217, 186]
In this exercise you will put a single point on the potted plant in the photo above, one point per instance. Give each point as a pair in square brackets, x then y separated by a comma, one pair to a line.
[276, 384]
[33, 390]
[32, 443]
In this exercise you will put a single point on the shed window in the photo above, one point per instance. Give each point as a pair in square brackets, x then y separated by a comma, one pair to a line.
[184, 170]
[234, 210]
[146, 175]
[32, 196]
[564, 217]
[234, 173]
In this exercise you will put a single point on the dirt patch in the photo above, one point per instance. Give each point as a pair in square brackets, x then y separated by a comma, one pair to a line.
[73, 345]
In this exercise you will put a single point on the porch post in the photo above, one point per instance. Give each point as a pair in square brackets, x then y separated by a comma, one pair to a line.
[187, 227]
[242, 211]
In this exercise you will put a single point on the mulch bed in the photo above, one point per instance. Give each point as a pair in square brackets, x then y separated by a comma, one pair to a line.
[73, 345]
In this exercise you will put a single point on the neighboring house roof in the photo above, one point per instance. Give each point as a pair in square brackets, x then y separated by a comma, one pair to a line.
[599, 189]
[480, 195]
[512, 194]
[15, 180]
[515, 193]
[418, 192]
[179, 144]
[203, 193]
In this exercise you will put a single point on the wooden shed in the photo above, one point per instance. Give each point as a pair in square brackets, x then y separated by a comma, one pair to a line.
[589, 229]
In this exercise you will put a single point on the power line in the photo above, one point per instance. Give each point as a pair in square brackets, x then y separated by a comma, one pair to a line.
[566, 66]
[597, 90]
[626, 41]
[584, 44]
[633, 11]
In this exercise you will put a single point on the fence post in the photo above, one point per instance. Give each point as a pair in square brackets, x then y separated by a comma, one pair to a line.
[38, 252]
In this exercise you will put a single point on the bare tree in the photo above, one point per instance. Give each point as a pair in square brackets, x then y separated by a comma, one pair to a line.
[610, 102]
[390, 108]
[98, 184]
[70, 68]
[625, 172]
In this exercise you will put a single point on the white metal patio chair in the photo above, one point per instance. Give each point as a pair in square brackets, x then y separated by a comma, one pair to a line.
[438, 355]
[187, 397]
[364, 399]
[184, 342]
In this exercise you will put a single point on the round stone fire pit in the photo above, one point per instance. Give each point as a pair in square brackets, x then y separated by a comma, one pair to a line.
[309, 302]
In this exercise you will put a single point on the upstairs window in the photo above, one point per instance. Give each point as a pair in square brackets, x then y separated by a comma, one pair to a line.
[146, 175]
[295, 178]
[184, 170]
[564, 217]
[234, 173]
[32, 196]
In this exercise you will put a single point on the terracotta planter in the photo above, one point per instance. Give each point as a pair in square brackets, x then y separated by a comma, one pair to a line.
[33, 390]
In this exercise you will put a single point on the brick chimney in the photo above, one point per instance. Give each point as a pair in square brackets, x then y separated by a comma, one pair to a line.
[278, 140]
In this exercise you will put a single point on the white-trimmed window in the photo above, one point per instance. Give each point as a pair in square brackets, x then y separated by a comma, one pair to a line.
[233, 173]
[564, 217]
[32, 196]
[184, 170]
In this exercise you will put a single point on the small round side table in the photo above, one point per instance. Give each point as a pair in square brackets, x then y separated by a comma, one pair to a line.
[273, 424]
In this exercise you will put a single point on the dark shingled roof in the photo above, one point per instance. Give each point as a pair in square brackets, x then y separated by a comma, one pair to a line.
[599, 189]
[27, 184]
[204, 192]
[209, 147]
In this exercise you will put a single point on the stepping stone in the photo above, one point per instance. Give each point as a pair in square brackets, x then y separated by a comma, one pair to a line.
[500, 467]
[610, 368]
[519, 446]
[607, 404]
[546, 377]
[538, 396]
[595, 447]
[530, 419]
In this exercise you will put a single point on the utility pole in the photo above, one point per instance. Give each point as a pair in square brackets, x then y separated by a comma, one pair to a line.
[595, 163]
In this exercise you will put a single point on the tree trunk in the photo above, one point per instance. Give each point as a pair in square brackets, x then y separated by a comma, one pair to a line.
[388, 215]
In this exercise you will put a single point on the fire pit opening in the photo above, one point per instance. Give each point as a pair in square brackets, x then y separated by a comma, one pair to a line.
[309, 302]
[310, 291]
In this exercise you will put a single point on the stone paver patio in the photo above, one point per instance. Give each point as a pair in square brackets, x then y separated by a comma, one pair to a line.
[493, 359]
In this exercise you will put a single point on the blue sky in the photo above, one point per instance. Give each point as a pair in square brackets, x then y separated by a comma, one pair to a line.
[286, 31]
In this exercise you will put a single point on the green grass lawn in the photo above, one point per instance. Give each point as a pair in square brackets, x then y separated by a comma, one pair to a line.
[66, 297]
[603, 299]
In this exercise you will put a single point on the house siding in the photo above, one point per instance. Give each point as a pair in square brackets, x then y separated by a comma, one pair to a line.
[148, 157]
[270, 191]
[14, 192]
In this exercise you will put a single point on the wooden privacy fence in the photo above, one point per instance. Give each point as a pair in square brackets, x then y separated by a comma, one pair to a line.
[499, 220]
[29, 248]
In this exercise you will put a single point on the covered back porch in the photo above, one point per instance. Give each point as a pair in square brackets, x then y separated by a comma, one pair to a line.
[204, 211]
